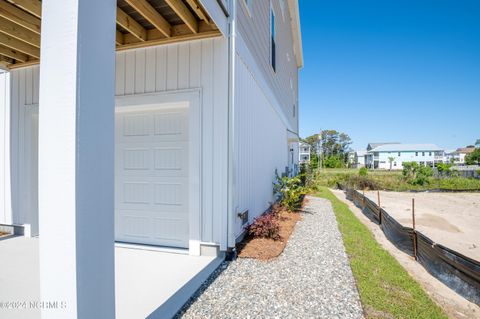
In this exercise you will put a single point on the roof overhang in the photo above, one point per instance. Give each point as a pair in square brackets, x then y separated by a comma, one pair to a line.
[140, 23]
[297, 32]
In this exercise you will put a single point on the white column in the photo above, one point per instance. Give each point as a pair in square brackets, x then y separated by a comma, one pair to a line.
[76, 158]
[5, 198]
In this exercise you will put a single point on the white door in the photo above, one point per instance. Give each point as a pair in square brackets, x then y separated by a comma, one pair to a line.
[151, 177]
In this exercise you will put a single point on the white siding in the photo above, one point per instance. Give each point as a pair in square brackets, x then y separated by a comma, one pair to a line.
[261, 146]
[254, 28]
[199, 64]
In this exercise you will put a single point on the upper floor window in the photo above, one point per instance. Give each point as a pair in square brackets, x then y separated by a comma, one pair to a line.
[416, 153]
[272, 36]
[398, 153]
[423, 153]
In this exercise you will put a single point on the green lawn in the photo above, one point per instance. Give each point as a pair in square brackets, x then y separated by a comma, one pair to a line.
[389, 180]
[386, 290]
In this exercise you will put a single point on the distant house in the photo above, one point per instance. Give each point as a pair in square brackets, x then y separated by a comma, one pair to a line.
[458, 156]
[392, 156]
[356, 159]
[304, 153]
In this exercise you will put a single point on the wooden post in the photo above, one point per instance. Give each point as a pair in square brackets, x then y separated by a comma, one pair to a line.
[414, 232]
[379, 209]
[363, 199]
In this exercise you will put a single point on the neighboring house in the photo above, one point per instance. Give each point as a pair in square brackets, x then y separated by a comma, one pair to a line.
[304, 154]
[358, 160]
[392, 156]
[197, 84]
[457, 156]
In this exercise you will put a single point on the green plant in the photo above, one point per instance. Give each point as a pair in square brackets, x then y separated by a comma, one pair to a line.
[363, 171]
[390, 160]
[265, 226]
[334, 161]
[473, 158]
[444, 167]
[289, 191]
[416, 174]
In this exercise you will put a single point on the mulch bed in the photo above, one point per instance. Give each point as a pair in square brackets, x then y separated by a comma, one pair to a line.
[265, 248]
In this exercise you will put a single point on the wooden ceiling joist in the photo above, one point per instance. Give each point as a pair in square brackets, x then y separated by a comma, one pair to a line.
[184, 13]
[18, 32]
[20, 17]
[18, 45]
[151, 15]
[20, 26]
[31, 6]
[132, 26]
[13, 54]
[119, 38]
[198, 10]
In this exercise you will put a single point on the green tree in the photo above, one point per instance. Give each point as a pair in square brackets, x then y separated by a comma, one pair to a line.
[390, 160]
[473, 158]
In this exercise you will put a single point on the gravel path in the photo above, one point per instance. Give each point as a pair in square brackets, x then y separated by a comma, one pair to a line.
[311, 279]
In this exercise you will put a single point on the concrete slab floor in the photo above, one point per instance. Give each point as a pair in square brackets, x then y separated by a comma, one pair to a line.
[148, 283]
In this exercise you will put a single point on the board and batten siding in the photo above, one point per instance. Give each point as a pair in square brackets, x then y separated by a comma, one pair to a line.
[261, 146]
[171, 68]
[254, 27]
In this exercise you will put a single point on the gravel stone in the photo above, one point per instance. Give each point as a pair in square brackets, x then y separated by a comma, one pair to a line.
[310, 279]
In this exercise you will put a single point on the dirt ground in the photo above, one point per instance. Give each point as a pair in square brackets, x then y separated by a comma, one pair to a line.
[450, 219]
[453, 304]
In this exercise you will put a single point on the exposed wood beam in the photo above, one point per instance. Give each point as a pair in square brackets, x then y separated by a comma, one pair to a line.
[32, 6]
[20, 17]
[151, 15]
[22, 65]
[139, 44]
[18, 45]
[198, 10]
[177, 30]
[13, 54]
[132, 26]
[177, 39]
[184, 13]
[16, 31]
[119, 38]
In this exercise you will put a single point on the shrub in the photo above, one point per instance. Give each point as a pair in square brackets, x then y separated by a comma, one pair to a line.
[415, 174]
[444, 167]
[363, 171]
[333, 161]
[362, 182]
[265, 226]
[289, 191]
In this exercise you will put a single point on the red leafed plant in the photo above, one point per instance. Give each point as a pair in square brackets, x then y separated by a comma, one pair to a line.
[265, 226]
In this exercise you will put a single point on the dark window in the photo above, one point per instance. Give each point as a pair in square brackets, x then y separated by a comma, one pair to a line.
[429, 153]
[416, 153]
[272, 35]
[398, 153]
[423, 153]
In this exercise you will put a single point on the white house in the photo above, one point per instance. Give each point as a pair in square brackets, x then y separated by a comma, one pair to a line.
[358, 158]
[304, 153]
[457, 156]
[137, 122]
[392, 156]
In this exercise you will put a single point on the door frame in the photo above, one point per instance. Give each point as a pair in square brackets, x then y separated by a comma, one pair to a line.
[192, 100]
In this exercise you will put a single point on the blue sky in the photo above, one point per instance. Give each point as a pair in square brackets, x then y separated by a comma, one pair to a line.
[397, 70]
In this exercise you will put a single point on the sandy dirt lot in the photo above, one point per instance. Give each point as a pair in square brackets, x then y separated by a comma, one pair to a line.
[454, 305]
[450, 219]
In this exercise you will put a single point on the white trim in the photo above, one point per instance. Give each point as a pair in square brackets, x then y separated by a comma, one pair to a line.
[246, 6]
[183, 98]
[245, 54]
